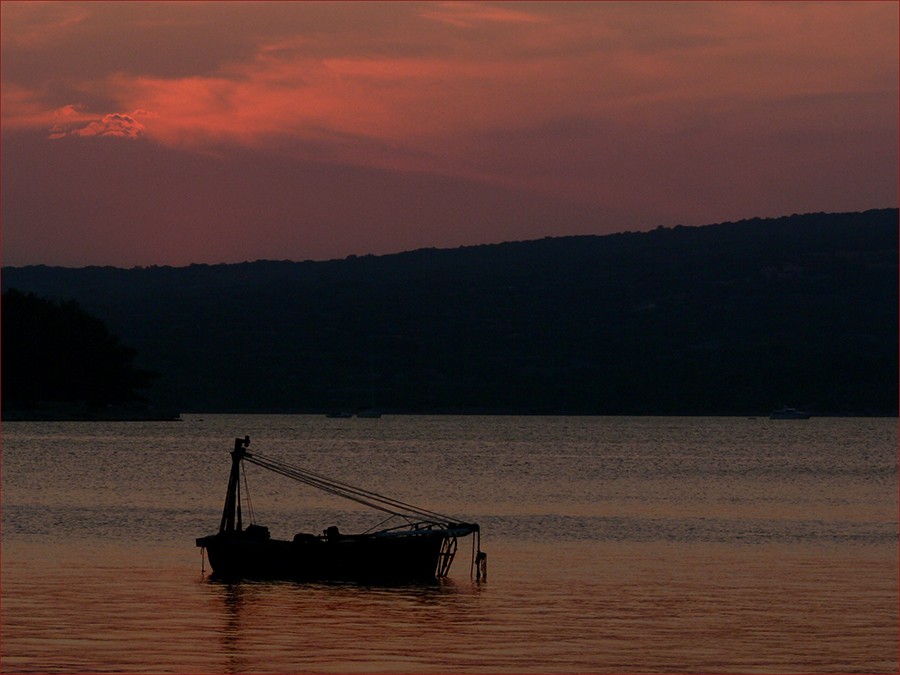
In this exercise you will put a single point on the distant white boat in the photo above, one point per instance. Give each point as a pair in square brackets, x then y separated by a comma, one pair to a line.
[786, 413]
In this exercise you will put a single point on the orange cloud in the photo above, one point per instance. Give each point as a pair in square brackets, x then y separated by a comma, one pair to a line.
[114, 125]
[532, 95]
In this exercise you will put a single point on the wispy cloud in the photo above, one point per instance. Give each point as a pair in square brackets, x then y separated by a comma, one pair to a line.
[38, 24]
[468, 14]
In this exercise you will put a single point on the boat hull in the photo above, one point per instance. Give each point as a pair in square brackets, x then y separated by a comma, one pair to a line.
[365, 558]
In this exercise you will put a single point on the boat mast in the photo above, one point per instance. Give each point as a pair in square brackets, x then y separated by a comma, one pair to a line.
[231, 515]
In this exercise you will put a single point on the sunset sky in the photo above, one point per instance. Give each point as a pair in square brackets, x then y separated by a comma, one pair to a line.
[169, 133]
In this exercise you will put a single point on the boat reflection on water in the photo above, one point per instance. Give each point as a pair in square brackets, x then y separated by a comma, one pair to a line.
[422, 549]
[315, 627]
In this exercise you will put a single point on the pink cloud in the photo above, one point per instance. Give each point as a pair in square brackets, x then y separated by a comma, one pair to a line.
[113, 125]
[529, 99]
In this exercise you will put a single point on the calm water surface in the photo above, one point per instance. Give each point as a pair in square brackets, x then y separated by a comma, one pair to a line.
[615, 545]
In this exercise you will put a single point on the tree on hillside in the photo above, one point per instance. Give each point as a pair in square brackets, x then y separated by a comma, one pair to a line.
[57, 352]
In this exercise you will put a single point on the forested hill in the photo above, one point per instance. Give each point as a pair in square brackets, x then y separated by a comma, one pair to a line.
[734, 318]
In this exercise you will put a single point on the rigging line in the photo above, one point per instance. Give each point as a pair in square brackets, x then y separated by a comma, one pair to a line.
[301, 477]
[335, 487]
[312, 475]
[313, 478]
[386, 520]
[335, 490]
[356, 494]
[316, 479]
[247, 492]
[329, 489]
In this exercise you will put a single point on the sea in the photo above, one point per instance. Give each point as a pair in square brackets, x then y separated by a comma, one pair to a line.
[614, 544]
